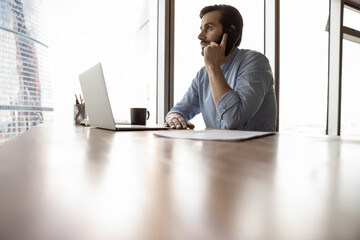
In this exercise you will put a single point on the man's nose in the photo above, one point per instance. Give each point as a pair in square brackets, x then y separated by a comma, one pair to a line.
[201, 35]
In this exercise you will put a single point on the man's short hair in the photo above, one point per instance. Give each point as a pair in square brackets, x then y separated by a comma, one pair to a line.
[229, 16]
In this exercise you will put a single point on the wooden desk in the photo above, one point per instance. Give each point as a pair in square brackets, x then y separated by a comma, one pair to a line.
[85, 183]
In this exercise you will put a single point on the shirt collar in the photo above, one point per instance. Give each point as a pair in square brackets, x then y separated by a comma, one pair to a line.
[226, 65]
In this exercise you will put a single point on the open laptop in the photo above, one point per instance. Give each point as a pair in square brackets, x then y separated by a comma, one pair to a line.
[98, 106]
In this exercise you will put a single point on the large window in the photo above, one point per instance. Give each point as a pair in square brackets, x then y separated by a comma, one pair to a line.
[188, 59]
[350, 114]
[303, 66]
[122, 35]
[25, 86]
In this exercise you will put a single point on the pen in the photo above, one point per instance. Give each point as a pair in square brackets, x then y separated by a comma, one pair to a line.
[81, 99]
[76, 100]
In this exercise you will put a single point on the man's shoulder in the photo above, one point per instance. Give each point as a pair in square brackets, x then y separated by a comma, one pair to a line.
[200, 76]
[248, 53]
[244, 56]
[202, 72]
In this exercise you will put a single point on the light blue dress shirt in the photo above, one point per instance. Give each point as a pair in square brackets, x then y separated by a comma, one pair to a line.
[250, 105]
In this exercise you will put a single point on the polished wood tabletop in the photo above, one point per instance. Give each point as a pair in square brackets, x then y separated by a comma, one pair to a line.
[80, 183]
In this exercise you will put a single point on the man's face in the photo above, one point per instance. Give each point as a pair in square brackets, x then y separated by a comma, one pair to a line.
[210, 29]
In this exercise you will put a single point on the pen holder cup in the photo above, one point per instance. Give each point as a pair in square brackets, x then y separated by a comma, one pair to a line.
[79, 113]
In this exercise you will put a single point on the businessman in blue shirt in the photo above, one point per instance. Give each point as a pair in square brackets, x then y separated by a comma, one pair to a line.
[234, 91]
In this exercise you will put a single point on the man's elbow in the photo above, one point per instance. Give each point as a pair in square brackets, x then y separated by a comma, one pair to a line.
[235, 122]
[237, 116]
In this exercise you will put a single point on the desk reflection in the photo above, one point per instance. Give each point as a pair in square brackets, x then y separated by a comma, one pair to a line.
[80, 183]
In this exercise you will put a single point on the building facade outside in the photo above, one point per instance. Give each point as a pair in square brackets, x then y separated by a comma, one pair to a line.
[25, 85]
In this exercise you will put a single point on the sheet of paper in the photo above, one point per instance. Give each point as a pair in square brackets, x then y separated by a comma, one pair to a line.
[212, 134]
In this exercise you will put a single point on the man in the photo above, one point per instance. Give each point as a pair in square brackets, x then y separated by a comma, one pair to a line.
[232, 92]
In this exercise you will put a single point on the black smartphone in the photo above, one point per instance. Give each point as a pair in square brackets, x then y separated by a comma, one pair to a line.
[232, 37]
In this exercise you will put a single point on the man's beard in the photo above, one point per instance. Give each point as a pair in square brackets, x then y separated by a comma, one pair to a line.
[202, 48]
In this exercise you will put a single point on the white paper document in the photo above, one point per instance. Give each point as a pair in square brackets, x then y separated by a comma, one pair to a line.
[212, 134]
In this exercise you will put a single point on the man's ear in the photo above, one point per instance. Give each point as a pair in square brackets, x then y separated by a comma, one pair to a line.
[233, 27]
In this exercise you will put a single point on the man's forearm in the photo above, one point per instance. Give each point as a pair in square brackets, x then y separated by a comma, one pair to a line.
[218, 83]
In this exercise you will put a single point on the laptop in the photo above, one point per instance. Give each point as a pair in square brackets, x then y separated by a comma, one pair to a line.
[98, 106]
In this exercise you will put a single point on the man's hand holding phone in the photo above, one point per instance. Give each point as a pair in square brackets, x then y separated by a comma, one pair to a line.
[214, 53]
[177, 121]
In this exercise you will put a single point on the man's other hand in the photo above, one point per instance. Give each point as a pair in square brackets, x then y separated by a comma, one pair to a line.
[177, 121]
